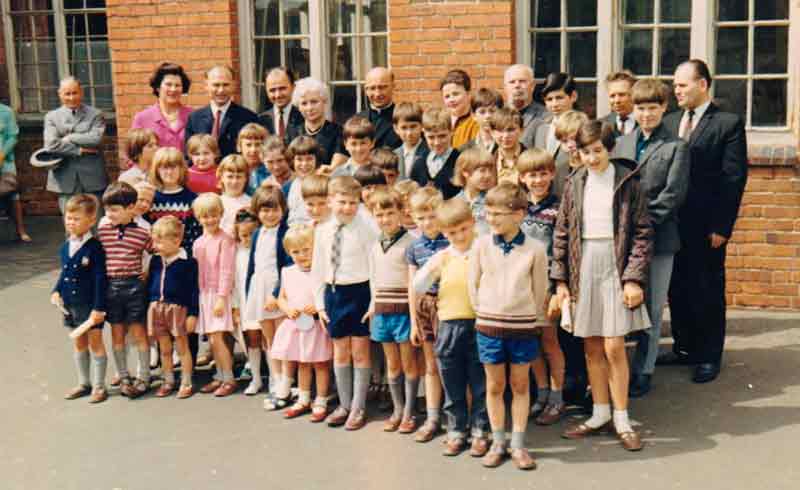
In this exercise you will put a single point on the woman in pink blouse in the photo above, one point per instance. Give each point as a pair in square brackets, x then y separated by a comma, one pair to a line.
[168, 116]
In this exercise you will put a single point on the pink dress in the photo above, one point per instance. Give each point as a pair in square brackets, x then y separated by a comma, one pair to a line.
[216, 260]
[292, 341]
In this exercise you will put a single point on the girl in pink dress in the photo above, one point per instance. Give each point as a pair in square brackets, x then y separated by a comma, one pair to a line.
[215, 252]
[301, 339]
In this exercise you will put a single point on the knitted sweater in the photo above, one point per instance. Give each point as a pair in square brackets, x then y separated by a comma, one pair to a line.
[178, 204]
[453, 301]
[177, 283]
[388, 274]
[508, 286]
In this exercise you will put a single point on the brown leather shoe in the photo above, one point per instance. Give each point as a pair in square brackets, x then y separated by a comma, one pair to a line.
[454, 446]
[495, 456]
[338, 417]
[407, 426]
[631, 441]
[211, 387]
[78, 392]
[522, 459]
[356, 420]
[126, 388]
[165, 390]
[227, 388]
[392, 424]
[479, 447]
[579, 431]
[551, 414]
[427, 432]
[185, 392]
[140, 387]
[99, 395]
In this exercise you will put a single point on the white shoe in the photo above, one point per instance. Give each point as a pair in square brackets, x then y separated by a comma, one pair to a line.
[253, 388]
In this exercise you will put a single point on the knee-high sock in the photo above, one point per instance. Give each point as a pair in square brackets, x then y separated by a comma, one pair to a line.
[361, 377]
[143, 371]
[99, 364]
[344, 385]
[121, 361]
[82, 366]
[411, 385]
[396, 390]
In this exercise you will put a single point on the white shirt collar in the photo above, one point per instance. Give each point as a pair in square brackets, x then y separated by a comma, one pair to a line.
[180, 255]
[698, 112]
[81, 239]
[223, 109]
[286, 111]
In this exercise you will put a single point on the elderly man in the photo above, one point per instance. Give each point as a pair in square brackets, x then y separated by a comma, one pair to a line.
[283, 118]
[74, 132]
[379, 87]
[618, 87]
[518, 90]
[222, 117]
[718, 151]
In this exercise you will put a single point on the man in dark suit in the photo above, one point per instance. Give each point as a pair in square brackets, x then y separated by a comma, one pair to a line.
[283, 118]
[718, 149]
[618, 87]
[518, 88]
[379, 87]
[222, 118]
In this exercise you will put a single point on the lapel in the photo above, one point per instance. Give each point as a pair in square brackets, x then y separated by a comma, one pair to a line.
[703, 123]
[230, 114]
[672, 122]
[295, 118]
[658, 138]
[627, 145]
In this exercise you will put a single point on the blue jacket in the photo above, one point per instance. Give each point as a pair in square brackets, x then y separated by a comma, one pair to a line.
[283, 258]
[82, 280]
[180, 283]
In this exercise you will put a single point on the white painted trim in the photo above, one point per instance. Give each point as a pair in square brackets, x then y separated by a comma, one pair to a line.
[11, 56]
[246, 54]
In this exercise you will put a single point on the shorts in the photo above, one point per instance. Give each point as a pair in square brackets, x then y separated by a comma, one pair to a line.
[496, 350]
[77, 314]
[427, 316]
[390, 327]
[166, 319]
[126, 301]
[346, 305]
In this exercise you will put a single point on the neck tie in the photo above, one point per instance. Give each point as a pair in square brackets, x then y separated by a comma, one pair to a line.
[281, 124]
[336, 253]
[215, 129]
[686, 130]
[622, 121]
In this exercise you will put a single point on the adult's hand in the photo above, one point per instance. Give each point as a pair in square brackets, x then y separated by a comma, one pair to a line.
[717, 240]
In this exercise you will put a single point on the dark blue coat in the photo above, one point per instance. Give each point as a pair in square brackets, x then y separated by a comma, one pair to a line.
[180, 283]
[82, 280]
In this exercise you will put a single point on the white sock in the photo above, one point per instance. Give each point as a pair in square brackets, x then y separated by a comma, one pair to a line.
[621, 421]
[304, 397]
[254, 355]
[601, 414]
[285, 387]
[274, 381]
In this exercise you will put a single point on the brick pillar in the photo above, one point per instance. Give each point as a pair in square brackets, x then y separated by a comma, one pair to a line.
[196, 34]
[429, 37]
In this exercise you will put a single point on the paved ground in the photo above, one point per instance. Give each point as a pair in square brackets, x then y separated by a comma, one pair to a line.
[740, 432]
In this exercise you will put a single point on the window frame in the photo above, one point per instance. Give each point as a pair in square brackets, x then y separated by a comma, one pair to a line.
[63, 62]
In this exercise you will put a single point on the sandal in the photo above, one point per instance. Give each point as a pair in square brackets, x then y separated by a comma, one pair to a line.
[427, 432]
[165, 390]
[297, 410]
[185, 392]
[319, 410]
[140, 387]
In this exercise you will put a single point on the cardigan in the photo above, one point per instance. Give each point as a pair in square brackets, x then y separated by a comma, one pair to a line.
[82, 280]
[216, 263]
[283, 258]
[443, 179]
[176, 284]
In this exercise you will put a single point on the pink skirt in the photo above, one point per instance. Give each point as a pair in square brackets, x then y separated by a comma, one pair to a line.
[293, 344]
[207, 322]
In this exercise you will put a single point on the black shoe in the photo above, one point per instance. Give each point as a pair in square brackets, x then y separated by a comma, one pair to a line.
[706, 372]
[640, 385]
[673, 359]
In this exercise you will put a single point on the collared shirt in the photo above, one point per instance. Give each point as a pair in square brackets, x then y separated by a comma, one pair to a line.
[75, 243]
[124, 250]
[349, 168]
[222, 109]
[409, 155]
[642, 142]
[478, 206]
[505, 246]
[627, 126]
[436, 162]
[698, 114]
[388, 241]
[287, 109]
[180, 255]
[507, 166]
[152, 118]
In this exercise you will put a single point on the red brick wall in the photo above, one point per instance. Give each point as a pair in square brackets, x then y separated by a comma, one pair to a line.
[429, 37]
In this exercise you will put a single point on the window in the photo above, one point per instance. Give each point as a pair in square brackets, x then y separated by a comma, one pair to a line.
[47, 40]
[752, 60]
[336, 41]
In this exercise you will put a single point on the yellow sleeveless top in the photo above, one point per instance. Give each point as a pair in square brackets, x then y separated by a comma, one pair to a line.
[454, 303]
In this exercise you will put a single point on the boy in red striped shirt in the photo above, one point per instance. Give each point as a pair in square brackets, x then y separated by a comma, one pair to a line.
[125, 242]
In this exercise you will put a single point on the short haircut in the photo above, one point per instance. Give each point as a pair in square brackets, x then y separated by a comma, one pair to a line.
[535, 159]
[700, 69]
[165, 69]
[282, 69]
[593, 131]
[621, 76]
[167, 157]
[436, 119]
[144, 187]
[471, 160]
[486, 97]
[385, 159]
[297, 235]
[168, 227]
[252, 131]
[306, 85]
[507, 195]
[119, 194]
[558, 81]
[650, 91]
[358, 127]
[406, 188]
[314, 186]
[456, 77]
[208, 203]
[137, 139]
[276, 143]
[505, 118]
[344, 184]
[270, 197]
[407, 112]
[304, 145]
[200, 140]
[568, 124]
[368, 175]
[227, 68]
[243, 216]
[82, 203]
[425, 199]
[233, 163]
[453, 212]
[385, 199]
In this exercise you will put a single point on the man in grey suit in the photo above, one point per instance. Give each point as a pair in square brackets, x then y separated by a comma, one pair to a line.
[618, 86]
[518, 90]
[664, 167]
[74, 132]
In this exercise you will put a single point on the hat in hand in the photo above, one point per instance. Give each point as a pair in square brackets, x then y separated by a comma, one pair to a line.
[45, 159]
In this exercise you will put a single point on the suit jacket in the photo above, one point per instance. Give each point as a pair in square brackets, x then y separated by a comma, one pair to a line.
[236, 117]
[443, 180]
[664, 168]
[563, 171]
[384, 130]
[718, 155]
[65, 133]
[531, 118]
[543, 128]
[611, 118]
[296, 121]
[420, 154]
[82, 280]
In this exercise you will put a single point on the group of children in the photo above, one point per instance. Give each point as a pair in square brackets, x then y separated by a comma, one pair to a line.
[442, 260]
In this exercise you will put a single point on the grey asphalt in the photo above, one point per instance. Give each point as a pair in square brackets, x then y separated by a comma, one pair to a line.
[740, 432]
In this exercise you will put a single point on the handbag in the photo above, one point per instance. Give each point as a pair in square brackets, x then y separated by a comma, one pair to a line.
[8, 183]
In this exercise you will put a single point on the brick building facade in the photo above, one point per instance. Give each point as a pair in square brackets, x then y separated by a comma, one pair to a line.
[421, 39]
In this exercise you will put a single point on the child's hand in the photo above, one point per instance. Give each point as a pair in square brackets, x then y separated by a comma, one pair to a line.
[367, 315]
[191, 323]
[632, 295]
[553, 308]
[324, 317]
[236, 318]
[219, 306]
[97, 317]
[310, 310]
[562, 293]
[415, 338]
[292, 313]
[436, 262]
[271, 304]
[325, 170]
[55, 299]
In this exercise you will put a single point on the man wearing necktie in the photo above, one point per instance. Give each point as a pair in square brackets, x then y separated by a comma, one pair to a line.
[618, 87]
[283, 117]
[222, 117]
[718, 154]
